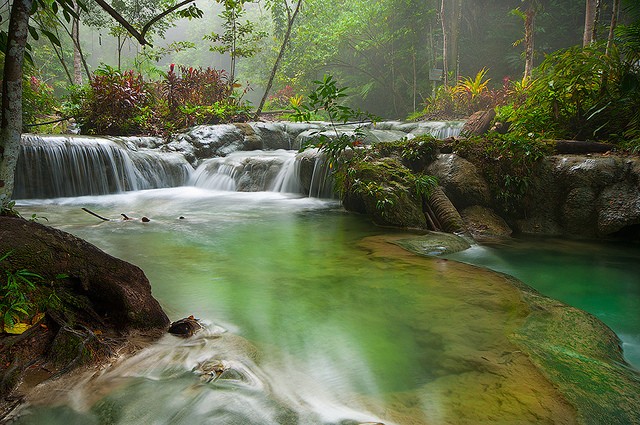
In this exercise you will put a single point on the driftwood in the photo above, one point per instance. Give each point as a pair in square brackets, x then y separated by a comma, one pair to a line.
[124, 216]
[95, 215]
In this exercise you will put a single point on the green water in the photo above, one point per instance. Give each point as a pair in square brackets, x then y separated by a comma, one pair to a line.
[321, 320]
[601, 278]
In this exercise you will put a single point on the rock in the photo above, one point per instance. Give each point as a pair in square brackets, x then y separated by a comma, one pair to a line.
[484, 223]
[618, 207]
[186, 327]
[118, 291]
[478, 123]
[583, 196]
[460, 180]
[433, 243]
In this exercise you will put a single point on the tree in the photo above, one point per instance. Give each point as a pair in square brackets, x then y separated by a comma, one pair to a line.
[11, 124]
[291, 17]
[590, 22]
[450, 16]
[238, 39]
[16, 42]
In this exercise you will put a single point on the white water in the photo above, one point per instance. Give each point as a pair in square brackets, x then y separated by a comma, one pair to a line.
[57, 166]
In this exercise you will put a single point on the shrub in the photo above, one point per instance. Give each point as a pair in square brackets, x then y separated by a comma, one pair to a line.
[116, 103]
[579, 94]
[469, 95]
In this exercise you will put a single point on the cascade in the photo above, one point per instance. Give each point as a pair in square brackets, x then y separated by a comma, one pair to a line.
[57, 166]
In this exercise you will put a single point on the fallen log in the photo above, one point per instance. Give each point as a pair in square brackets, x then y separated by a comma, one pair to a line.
[580, 146]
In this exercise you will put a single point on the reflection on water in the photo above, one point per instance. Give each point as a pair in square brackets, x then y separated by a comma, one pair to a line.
[601, 278]
[314, 317]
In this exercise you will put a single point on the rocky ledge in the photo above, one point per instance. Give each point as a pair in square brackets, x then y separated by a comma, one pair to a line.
[587, 196]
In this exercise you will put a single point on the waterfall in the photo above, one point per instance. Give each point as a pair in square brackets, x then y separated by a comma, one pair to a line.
[248, 171]
[288, 179]
[57, 166]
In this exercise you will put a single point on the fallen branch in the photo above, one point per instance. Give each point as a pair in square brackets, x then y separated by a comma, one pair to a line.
[95, 215]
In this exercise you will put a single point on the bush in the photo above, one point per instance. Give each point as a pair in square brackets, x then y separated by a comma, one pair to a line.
[469, 95]
[38, 101]
[116, 103]
[579, 94]
[199, 96]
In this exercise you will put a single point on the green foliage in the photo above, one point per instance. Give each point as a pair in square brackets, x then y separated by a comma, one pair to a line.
[579, 94]
[15, 303]
[325, 99]
[238, 39]
[469, 95]
[123, 103]
[38, 101]
[199, 96]
[508, 163]
[7, 206]
[116, 103]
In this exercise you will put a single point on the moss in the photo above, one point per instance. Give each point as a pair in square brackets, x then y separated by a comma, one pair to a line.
[582, 357]
[382, 188]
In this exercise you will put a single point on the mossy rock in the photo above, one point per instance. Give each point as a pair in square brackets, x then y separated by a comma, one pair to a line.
[433, 243]
[385, 190]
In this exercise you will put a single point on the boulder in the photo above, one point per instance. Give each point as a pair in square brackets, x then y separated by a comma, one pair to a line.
[460, 180]
[484, 223]
[119, 292]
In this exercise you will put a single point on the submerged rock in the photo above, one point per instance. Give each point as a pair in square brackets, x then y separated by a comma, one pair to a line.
[186, 327]
[433, 243]
[484, 223]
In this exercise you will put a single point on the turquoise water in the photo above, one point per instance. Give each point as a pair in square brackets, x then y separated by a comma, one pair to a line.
[600, 278]
[317, 317]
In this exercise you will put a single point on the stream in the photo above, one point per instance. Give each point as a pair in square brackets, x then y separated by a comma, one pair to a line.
[316, 319]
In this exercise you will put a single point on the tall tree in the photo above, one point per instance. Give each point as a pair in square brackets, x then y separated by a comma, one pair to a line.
[11, 113]
[589, 22]
[238, 39]
[11, 124]
[291, 13]
[450, 18]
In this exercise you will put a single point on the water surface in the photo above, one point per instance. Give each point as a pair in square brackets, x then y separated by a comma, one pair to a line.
[601, 278]
[315, 316]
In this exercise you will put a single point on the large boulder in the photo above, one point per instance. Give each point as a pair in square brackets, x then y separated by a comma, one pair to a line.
[583, 196]
[119, 292]
[460, 180]
[484, 223]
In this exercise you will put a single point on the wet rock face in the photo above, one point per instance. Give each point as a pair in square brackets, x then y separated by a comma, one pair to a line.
[590, 196]
[460, 180]
[585, 196]
[484, 223]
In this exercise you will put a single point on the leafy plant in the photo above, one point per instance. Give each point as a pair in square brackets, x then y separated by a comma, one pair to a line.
[7, 206]
[579, 94]
[325, 98]
[15, 304]
[473, 87]
[116, 103]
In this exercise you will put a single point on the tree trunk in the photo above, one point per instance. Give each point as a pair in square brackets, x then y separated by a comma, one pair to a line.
[77, 57]
[614, 23]
[445, 44]
[283, 47]
[11, 124]
[589, 22]
[530, 15]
